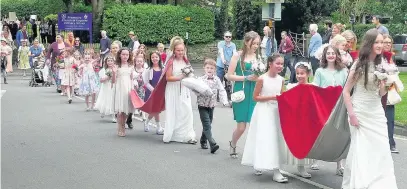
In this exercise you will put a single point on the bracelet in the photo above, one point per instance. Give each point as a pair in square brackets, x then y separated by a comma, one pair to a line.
[245, 78]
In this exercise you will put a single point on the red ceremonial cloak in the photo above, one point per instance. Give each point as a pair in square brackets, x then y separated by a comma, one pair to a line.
[156, 101]
[304, 111]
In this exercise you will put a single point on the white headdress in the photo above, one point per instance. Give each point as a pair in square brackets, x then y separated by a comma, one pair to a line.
[305, 64]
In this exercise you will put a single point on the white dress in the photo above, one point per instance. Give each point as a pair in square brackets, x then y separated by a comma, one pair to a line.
[369, 164]
[264, 148]
[124, 84]
[178, 109]
[104, 103]
[290, 159]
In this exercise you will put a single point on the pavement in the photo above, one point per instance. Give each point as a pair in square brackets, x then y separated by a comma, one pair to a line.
[50, 144]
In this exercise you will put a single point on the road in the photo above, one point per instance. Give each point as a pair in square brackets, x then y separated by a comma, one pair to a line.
[50, 144]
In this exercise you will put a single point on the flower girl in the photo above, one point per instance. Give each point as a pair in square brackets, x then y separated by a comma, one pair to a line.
[138, 82]
[68, 79]
[104, 103]
[264, 143]
[302, 72]
[123, 80]
[150, 79]
[88, 86]
[78, 61]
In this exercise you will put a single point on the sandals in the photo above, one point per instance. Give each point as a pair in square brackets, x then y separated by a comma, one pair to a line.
[192, 141]
[233, 153]
[340, 171]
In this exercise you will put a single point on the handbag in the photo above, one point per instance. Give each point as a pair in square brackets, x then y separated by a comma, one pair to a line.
[393, 97]
[238, 96]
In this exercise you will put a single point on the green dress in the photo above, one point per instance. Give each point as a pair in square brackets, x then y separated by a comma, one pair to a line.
[242, 111]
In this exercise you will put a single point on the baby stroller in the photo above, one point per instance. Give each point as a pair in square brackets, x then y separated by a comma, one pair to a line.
[39, 74]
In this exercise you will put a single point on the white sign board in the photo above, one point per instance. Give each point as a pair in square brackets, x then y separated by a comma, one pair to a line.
[33, 17]
[12, 16]
[271, 11]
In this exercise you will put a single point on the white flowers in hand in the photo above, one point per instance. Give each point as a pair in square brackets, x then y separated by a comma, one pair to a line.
[380, 75]
[188, 71]
[258, 67]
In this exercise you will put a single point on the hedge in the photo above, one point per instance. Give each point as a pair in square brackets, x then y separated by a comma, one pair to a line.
[159, 23]
[25, 8]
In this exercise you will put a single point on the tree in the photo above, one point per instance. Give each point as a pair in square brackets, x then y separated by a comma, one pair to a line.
[69, 5]
[247, 17]
[97, 11]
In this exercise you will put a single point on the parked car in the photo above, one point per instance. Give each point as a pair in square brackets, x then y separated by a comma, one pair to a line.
[400, 48]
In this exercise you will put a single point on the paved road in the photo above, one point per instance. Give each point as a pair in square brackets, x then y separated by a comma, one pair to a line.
[49, 144]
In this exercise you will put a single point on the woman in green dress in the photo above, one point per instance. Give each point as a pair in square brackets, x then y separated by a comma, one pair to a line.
[240, 72]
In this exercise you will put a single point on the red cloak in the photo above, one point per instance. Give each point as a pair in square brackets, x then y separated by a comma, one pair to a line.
[304, 110]
[156, 101]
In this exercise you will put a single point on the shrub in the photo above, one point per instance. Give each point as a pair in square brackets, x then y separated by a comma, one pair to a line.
[159, 23]
[25, 8]
[52, 17]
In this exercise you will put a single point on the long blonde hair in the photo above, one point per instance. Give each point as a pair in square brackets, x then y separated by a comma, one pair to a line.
[175, 41]
[249, 37]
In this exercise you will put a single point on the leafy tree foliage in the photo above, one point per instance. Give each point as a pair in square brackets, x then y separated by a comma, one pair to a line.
[247, 17]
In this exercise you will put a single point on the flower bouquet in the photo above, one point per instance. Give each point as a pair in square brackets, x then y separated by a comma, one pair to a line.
[60, 62]
[258, 67]
[109, 72]
[195, 84]
[75, 67]
[388, 72]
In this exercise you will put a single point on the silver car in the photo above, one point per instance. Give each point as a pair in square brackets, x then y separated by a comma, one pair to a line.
[400, 48]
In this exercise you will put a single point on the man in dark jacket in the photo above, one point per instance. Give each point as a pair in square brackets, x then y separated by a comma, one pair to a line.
[328, 32]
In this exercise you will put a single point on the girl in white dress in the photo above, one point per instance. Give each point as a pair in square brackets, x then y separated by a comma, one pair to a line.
[68, 78]
[123, 80]
[88, 86]
[369, 164]
[264, 149]
[302, 72]
[139, 84]
[179, 116]
[104, 103]
[78, 61]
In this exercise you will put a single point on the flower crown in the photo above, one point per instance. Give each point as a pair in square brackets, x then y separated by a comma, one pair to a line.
[305, 64]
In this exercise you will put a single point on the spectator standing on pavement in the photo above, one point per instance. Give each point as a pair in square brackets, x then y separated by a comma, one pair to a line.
[314, 45]
[286, 49]
[226, 49]
[44, 28]
[70, 39]
[328, 32]
[376, 20]
[21, 34]
[23, 59]
[104, 45]
[78, 46]
[268, 45]
[134, 43]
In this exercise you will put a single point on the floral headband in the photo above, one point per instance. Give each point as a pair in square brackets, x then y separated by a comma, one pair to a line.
[305, 64]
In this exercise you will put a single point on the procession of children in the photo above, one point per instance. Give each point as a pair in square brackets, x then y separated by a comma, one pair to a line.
[134, 82]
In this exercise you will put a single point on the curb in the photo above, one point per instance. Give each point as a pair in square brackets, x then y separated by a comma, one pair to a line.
[400, 130]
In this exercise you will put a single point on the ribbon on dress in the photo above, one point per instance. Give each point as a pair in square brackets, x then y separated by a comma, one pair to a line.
[314, 122]
[156, 101]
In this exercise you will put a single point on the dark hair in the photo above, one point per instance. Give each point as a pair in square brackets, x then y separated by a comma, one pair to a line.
[272, 58]
[119, 59]
[362, 66]
[159, 60]
[329, 23]
[338, 60]
[109, 56]
[301, 66]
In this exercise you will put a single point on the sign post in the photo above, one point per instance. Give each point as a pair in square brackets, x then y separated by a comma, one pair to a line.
[75, 21]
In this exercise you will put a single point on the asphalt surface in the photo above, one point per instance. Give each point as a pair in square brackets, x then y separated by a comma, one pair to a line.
[50, 144]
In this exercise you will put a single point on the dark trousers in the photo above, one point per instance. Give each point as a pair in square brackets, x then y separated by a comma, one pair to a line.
[206, 115]
[314, 65]
[287, 63]
[390, 124]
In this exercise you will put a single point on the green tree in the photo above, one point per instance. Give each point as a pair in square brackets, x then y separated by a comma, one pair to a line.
[247, 17]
